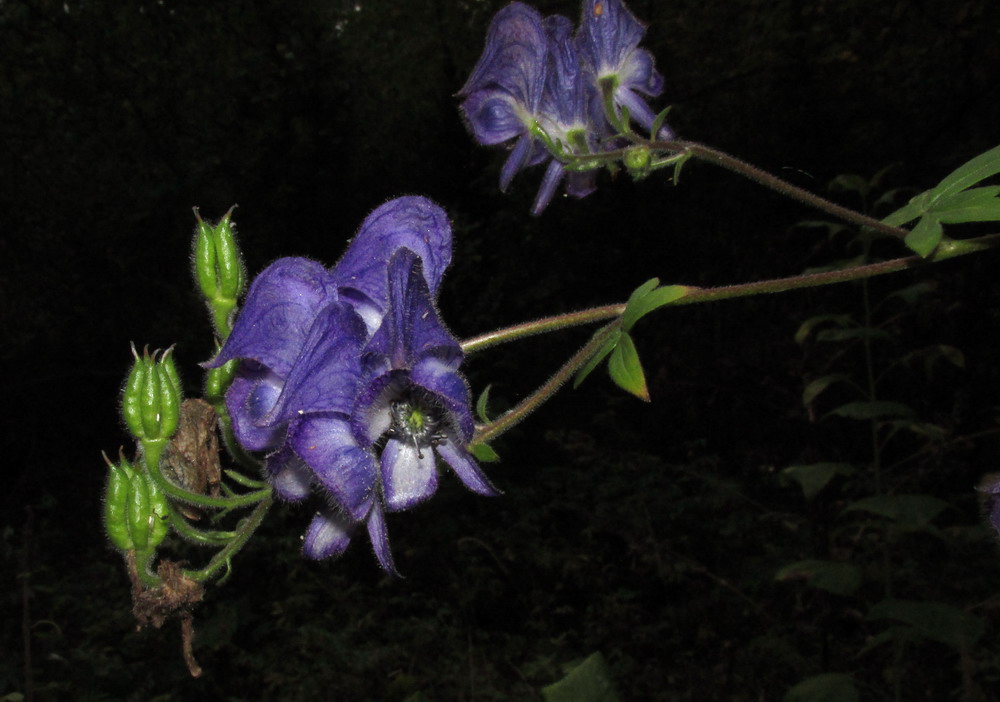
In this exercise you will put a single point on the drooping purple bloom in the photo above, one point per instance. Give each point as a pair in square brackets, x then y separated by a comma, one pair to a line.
[503, 95]
[608, 42]
[412, 407]
[536, 74]
[565, 114]
[293, 294]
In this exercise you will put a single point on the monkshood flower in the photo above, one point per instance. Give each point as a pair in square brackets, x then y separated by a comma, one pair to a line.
[412, 407]
[540, 85]
[565, 114]
[608, 41]
[287, 299]
[503, 95]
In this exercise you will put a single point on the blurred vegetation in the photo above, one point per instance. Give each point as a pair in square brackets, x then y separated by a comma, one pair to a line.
[652, 534]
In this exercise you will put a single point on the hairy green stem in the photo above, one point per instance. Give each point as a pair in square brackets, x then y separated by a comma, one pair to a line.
[484, 433]
[720, 158]
[498, 426]
[244, 500]
[244, 531]
[199, 536]
[541, 326]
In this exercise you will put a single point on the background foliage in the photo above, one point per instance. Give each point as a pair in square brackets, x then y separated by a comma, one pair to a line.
[651, 534]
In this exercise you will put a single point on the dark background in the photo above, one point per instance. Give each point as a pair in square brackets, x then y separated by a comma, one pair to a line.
[649, 533]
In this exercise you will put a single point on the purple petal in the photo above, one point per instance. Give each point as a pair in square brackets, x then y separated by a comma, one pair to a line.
[411, 329]
[608, 34]
[553, 176]
[379, 535]
[279, 310]
[516, 161]
[328, 535]
[493, 116]
[345, 469]
[566, 92]
[413, 223]
[466, 469]
[408, 475]
[371, 416]
[637, 107]
[581, 183]
[638, 73]
[325, 377]
[250, 397]
[513, 58]
[289, 474]
[449, 386]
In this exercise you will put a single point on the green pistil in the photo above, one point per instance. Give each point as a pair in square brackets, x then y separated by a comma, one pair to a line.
[416, 421]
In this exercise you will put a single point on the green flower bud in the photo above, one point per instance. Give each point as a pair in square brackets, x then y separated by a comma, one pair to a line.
[116, 494]
[136, 512]
[152, 396]
[217, 381]
[218, 268]
[637, 159]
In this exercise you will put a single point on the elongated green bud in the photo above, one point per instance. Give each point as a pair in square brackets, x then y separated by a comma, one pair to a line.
[217, 381]
[116, 495]
[218, 268]
[152, 396]
[136, 512]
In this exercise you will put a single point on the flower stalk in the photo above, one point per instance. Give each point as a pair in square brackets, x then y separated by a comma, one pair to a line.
[486, 432]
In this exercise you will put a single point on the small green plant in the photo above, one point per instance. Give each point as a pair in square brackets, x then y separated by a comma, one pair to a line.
[866, 384]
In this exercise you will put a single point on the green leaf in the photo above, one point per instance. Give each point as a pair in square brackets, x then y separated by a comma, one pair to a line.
[484, 453]
[647, 297]
[626, 370]
[813, 478]
[838, 578]
[852, 183]
[908, 212]
[658, 123]
[828, 687]
[838, 335]
[911, 293]
[936, 621]
[590, 681]
[481, 405]
[971, 172]
[925, 236]
[928, 430]
[815, 388]
[807, 327]
[911, 512]
[596, 359]
[864, 410]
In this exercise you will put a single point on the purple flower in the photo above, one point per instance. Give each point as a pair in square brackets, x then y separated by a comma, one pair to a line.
[565, 116]
[608, 42]
[292, 295]
[534, 74]
[412, 407]
[346, 369]
[504, 93]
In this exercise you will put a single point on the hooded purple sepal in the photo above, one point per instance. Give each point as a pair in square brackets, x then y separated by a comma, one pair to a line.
[413, 223]
[279, 310]
[326, 374]
[414, 395]
[608, 42]
[509, 76]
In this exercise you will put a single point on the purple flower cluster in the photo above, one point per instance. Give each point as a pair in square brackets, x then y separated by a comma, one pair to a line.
[349, 381]
[535, 73]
